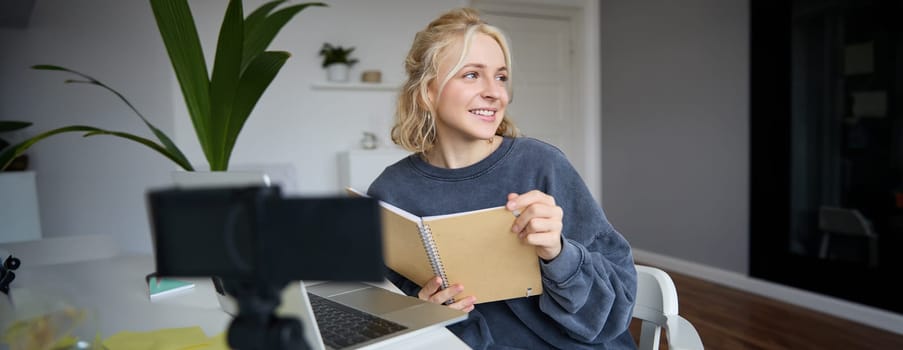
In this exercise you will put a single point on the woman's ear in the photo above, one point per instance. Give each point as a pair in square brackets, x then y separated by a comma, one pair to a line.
[431, 93]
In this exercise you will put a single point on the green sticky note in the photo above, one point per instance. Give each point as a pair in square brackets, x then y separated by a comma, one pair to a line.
[159, 287]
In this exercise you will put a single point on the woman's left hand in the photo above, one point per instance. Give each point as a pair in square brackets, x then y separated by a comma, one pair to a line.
[538, 222]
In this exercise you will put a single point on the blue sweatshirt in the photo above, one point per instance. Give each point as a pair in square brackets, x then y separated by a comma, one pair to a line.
[589, 288]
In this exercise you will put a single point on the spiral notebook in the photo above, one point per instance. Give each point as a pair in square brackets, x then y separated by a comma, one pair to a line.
[475, 249]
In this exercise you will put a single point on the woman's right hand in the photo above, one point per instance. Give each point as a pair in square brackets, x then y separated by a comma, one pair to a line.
[433, 293]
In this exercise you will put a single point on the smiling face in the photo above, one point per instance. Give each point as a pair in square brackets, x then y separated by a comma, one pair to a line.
[472, 103]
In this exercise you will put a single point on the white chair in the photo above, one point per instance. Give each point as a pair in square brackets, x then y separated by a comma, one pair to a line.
[846, 222]
[656, 306]
[61, 250]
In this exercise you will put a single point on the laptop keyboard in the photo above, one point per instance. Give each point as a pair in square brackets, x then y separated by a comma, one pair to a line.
[342, 326]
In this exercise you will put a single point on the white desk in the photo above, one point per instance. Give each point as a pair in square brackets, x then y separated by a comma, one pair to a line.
[115, 290]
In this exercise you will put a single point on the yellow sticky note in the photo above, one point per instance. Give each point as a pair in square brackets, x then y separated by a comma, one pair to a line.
[217, 342]
[162, 339]
[178, 338]
[127, 340]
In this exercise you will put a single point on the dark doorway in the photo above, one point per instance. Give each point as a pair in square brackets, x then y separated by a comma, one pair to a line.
[827, 147]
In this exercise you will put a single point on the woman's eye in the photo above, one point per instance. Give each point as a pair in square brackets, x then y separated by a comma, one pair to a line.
[501, 78]
[470, 75]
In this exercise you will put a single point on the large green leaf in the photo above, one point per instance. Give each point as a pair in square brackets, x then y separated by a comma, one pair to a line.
[224, 82]
[259, 32]
[180, 37]
[254, 81]
[257, 16]
[178, 159]
[8, 154]
[167, 143]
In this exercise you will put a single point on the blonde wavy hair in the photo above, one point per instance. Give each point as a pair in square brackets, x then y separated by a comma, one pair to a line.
[415, 124]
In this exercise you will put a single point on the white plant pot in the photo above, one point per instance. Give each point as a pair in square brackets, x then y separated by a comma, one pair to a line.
[337, 72]
[206, 179]
[19, 219]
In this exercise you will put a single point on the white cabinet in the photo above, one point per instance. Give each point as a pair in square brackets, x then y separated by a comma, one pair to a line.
[358, 168]
[19, 219]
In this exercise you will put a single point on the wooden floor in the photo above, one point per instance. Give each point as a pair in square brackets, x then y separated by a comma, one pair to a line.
[728, 318]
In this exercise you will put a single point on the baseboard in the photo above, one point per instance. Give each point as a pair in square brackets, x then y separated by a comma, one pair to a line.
[871, 316]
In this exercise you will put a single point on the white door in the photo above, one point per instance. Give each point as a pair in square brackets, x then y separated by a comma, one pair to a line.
[543, 106]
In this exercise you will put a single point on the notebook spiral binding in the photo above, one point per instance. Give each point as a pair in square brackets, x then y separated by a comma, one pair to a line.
[433, 253]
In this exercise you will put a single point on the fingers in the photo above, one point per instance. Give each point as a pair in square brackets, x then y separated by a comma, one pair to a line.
[538, 218]
[521, 201]
[520, 204]
[536, 212]
[429, 288]
[538, 223]
[446, 294]
[465, 304]
[433, 293]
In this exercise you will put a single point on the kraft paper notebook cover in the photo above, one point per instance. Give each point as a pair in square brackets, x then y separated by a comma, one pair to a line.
[476, 249]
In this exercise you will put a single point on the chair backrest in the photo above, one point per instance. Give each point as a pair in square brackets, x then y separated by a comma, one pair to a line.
[60, 250]
[656, 299]
[843, 220]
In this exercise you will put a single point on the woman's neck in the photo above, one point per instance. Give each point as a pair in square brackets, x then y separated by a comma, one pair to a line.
[455, 156]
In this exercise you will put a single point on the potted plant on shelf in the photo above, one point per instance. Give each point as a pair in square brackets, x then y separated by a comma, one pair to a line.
[337, 61]
[219, 102]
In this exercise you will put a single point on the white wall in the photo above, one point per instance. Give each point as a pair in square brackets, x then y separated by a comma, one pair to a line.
[94, 185]
[97, 185]
[675, 112]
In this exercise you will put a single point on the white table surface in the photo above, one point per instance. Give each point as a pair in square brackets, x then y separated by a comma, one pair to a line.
[115, 290]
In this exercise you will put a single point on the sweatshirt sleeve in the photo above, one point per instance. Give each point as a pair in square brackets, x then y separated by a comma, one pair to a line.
[589, 289]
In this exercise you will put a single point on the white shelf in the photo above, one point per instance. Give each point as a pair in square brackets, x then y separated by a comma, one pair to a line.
[355, 86]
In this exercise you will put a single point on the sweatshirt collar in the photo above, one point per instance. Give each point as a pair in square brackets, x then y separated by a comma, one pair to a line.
[465, 173]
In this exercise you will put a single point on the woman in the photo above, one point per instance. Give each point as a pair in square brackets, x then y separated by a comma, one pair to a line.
[451, 113]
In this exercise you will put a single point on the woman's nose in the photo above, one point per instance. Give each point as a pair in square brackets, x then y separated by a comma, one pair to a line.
[493, 90]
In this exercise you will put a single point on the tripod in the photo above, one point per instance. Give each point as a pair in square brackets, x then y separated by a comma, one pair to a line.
[256, 326]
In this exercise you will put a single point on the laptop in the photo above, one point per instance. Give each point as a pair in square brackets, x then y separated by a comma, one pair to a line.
[325, 309]
[380, 316]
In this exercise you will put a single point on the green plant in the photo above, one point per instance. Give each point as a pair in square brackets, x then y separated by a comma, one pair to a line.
[336, 54]
[218, 103]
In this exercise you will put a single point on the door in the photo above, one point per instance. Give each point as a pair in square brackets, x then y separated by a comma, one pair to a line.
[543, 103]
